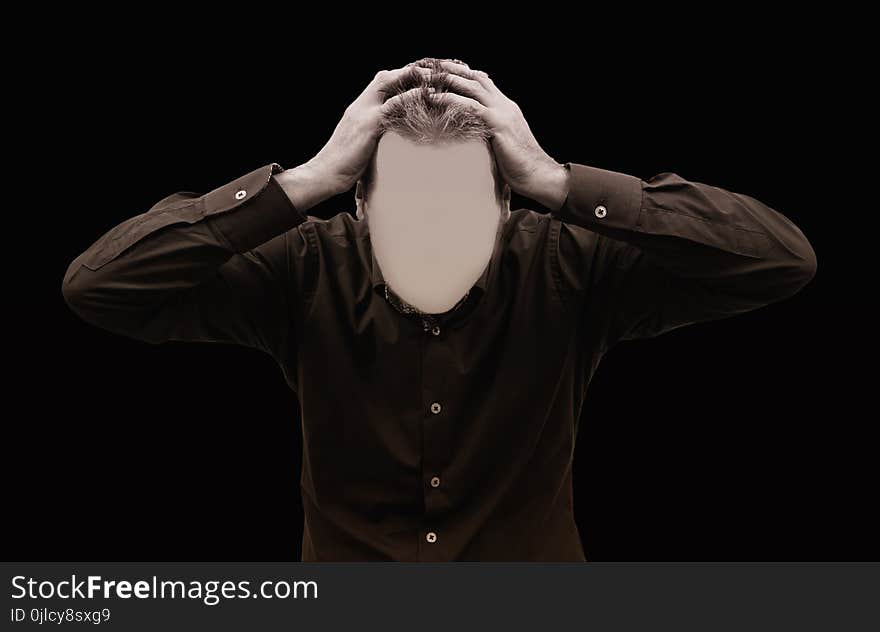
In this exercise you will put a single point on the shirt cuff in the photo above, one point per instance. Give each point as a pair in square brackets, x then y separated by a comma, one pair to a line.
[599, 198]
[252, 209]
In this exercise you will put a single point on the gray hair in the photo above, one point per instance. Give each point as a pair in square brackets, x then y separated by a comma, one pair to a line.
[418, 117]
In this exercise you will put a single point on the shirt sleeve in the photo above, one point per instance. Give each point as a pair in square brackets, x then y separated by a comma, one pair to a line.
[642, 257]
[227, 266]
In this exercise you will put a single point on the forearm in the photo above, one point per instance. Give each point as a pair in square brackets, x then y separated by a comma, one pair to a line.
[133, 276]
[693, 230]
[308, 185]
[552, 187]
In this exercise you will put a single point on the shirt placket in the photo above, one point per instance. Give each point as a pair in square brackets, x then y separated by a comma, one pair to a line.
[438, 402]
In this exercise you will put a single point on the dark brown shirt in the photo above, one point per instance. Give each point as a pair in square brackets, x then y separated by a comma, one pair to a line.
[439, 437]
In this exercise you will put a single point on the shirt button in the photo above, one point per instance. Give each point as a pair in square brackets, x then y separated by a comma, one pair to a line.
[431, 537]
[239, 195]
[435, 330]
[435, 408]
[601, 211]
[435, 481]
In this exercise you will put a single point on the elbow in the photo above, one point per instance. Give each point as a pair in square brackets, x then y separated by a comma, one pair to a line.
[96, 298]
[798, 268]
[805, 263]
[81, 292]
[808, 266]
[73, 290]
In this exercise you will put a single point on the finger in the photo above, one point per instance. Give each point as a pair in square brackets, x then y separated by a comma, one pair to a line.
[389, 103]
[468, 88]
[384, 78]
[375, 93]
[462, 70]
[467, 102]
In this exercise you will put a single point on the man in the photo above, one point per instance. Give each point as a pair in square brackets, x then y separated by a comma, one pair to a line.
[440, 344]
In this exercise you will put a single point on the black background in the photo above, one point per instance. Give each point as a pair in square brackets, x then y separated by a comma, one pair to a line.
[124, 451]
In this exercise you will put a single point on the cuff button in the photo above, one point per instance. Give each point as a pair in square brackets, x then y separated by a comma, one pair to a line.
[601, 211]
[239, 195]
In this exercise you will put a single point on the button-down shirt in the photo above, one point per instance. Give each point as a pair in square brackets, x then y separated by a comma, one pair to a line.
[448, 436]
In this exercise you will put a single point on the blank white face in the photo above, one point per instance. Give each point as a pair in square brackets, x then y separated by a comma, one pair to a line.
[431, 180]
[433, 213]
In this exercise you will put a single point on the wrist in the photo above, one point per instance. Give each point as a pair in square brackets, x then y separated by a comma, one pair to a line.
[307, 185]
[551, 188]
[329, 171]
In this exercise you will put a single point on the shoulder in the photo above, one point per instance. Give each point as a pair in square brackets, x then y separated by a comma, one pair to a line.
[341, 228]
[526, 229]
[343, 225]
[339, 240]
[527, 220]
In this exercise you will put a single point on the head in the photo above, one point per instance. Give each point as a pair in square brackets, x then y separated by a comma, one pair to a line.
[432, 195]
[432, 156]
